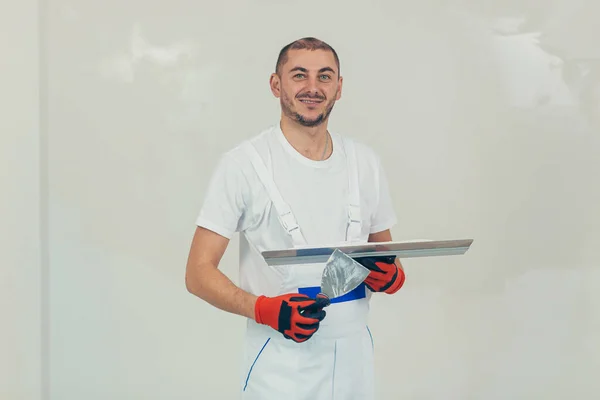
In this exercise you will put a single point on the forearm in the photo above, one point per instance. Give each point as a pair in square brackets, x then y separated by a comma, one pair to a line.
[214, 287]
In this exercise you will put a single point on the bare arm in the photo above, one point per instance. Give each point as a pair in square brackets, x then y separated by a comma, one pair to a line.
[204, 279]
[384, 236]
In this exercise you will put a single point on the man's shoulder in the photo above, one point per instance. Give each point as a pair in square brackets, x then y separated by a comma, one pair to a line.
[237, 160]
[364, 151]
[239, 152]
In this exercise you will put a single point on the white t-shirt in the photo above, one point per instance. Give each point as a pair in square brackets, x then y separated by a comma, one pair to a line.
[316, 191]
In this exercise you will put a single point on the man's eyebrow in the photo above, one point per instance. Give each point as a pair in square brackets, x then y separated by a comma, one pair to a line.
[327, 69]
[297, 68]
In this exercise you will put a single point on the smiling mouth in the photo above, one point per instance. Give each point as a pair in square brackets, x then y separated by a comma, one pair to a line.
[307, 101]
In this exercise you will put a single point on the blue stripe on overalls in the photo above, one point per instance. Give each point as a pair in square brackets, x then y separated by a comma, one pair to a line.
[358, 293]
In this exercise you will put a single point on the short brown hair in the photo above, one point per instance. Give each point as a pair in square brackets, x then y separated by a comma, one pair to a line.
[307, 43]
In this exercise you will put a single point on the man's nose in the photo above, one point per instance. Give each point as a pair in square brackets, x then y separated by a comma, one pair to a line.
[312, 86]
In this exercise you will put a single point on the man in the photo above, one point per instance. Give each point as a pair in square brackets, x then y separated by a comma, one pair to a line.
[297, 184]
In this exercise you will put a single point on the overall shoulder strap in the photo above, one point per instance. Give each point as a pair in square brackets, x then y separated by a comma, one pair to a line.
[284, 212]
[353, 233]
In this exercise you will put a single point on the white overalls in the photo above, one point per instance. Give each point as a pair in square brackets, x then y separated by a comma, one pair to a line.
[336, 363]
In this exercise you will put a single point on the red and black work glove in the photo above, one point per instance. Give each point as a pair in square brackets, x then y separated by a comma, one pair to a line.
[385, 276]
[296, 316]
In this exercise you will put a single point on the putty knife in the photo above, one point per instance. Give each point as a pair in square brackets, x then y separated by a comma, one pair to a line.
[341, 276]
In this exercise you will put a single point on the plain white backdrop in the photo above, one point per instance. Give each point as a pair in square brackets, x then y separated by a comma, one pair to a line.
[113, 115]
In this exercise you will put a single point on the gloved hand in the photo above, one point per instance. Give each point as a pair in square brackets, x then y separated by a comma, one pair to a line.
[296, 316]
[385, 276]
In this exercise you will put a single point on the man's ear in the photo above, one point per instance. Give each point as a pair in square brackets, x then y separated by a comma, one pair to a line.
[275, 84]
[339, 91]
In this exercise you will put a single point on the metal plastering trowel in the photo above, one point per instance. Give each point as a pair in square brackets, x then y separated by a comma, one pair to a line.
[341, 276]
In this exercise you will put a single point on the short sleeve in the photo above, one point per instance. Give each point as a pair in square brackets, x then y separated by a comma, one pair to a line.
[384, 216]
[224, 204]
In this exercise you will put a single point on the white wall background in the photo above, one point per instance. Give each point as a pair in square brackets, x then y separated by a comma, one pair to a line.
[21, 222]
[486, 115]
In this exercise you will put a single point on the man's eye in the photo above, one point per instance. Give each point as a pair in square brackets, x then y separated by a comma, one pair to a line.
[299, 76]
[324, 77]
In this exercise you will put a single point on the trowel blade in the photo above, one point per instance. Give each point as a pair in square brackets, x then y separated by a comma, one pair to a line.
[341, 275]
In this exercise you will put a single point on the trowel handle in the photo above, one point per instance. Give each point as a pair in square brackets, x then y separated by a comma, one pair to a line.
[384, 259]
[388, 259]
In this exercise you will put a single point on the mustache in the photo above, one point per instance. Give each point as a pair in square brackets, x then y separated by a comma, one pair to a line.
[311, 97]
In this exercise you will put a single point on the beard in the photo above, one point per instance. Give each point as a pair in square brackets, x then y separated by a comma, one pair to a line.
[288, 110]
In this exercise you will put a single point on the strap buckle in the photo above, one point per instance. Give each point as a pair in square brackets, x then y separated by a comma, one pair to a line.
[289, 222]
[354, 214]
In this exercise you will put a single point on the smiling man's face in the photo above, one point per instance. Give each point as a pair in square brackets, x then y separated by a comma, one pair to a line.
[308, 85]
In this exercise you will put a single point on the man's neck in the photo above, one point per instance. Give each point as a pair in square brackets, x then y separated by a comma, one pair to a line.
[308, 141]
